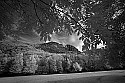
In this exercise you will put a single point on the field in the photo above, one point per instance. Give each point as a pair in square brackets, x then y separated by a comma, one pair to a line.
[115, 76]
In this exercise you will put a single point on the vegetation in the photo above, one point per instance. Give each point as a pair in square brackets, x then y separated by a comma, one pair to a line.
[96, 21]
[16, 60]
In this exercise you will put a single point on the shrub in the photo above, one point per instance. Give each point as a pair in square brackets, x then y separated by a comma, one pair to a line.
[16, 63]
[29, 63]
[59, 66]
[77, 67]
[52, 64]
[43, 67]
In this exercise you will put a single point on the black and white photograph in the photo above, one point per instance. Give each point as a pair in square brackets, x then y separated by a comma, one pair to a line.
[62, 41]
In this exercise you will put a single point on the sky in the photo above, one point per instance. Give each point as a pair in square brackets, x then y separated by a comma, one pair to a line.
[62, 38]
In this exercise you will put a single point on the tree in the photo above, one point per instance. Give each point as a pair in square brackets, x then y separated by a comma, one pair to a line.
[59, 66]
[97, 20]
[52, 47]
[72, 48]
[52, 65]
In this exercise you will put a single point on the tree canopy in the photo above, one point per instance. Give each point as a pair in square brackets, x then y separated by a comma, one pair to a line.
[97, 20]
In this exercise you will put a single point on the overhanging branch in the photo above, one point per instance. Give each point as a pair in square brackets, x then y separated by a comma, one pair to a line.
[36, 11]
[66, 15]
[11, 6]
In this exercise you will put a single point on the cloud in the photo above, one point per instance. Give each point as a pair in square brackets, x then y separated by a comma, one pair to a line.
[68, 39]
[61, 37]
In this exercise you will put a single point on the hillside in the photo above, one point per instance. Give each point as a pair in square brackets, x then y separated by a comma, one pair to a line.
[23, 58]
[19, 58]
[54, 47]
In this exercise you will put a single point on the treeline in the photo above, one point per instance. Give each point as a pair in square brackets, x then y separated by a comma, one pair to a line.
[24, 60]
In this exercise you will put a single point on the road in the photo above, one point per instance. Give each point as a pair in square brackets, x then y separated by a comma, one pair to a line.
[115, 76]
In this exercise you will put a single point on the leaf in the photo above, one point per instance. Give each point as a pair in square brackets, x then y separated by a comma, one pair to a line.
[87, 40]
[80, 38]
[45, 38]
[49, 38]
[76, 30]
[41, 38]
[78, 33]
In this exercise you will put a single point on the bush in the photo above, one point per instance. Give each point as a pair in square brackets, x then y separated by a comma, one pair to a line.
[77, 67]
[59, 66]
[52, 64]
[16, 63]
[66, 64]
[43, 67]
[29, 63]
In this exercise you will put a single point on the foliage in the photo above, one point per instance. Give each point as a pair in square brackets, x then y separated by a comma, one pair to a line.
[14, 60]
[29, 63]
[43, 67]
[52, 47]
[96, 20]
[52, 64]
[33, 61]
[71, 48]
[59, 66]
[16, 64]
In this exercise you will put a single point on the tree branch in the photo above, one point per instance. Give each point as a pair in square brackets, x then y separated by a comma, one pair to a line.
[36, 12]
[66, 15]
[6, 10]
[10, 6]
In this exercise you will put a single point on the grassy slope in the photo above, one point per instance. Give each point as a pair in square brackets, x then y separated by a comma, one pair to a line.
[117, 76]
